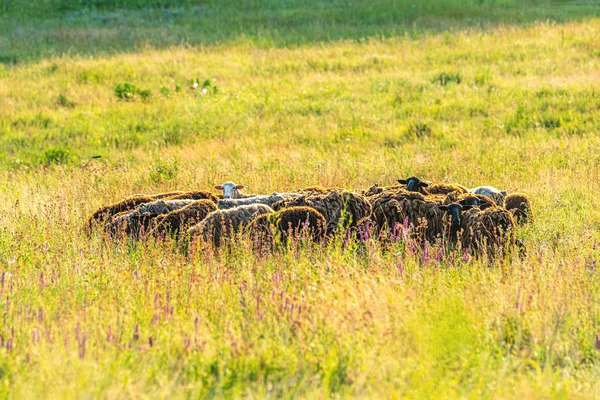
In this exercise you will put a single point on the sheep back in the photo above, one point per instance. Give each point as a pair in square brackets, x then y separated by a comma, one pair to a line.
[340, 208]
[222, 224]
[466, 198]
[105, 213]
[491, 230]
[446, 188]
[419, 212]
[376, 189]
[258, 199]
[194, 195]
[137, 222]
[293, 221]
[180, 220]
[520, 207]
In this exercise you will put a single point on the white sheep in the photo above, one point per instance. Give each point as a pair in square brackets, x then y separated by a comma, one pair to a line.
[268, 199]
[230, 190]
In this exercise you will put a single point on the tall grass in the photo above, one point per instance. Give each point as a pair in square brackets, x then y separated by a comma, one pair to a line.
[516, 107]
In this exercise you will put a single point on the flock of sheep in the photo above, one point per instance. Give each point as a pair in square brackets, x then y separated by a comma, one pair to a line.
[480, 220]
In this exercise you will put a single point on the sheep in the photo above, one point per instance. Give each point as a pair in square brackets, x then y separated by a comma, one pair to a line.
[180, 195]
[136, 222]
[294, 221]
[132, 202]
[258, 199]
[180, 220]
[194, 195]
[316, 190]
[230, 190]
[413, 210]
[340, 208]
[520, 207]
[491, 192]
[477, 200]
[107, 212]
[454, 210]
[414, 184]
[493, 231]
[222, 224]
[376, 189]
[490, 231]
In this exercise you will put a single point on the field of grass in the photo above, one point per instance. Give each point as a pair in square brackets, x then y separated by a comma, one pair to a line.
[334, 93]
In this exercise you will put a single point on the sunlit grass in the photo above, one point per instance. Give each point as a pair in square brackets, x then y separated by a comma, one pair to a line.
[514, 107]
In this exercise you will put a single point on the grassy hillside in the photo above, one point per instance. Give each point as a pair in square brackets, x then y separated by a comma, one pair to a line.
[338, 98]
[39, 29]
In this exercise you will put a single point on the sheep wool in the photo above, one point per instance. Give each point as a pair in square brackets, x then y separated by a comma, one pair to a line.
[223, 224]
[159, 196]
[196, 195]
[294, 222]
[415, 184]
[107, 212]
[520, 207]
[137, 222]
[180, 220]
[376, 189]
[258, 199]
[340, 208]
[446, 188]
[490, 231]
[471, 199]
[420, 214]
[491, 192]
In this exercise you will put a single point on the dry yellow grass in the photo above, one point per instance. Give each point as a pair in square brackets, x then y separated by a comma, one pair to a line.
[86, 317]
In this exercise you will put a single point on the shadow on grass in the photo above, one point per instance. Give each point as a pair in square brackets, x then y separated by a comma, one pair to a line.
[58, 27]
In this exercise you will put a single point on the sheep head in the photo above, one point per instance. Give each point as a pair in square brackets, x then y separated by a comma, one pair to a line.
[482, 202]
[413, 184]
[230, 190]
[455, 209]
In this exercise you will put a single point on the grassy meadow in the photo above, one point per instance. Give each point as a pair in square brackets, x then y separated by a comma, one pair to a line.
[96, 104]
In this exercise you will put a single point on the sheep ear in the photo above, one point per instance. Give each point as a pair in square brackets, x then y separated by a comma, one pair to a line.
[239, 187]
[423, 184]
[443, 208]
[402, 181]
[219, 187]
[467, 207]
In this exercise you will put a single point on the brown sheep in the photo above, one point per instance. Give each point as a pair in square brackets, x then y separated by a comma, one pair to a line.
[181, 195]
[132, 202]
[315, 189]
[220, 225]
[490, 231]
[414, 184]
[107, 212]
[138, 222]
[197, 195]
[520, 207]
[376, 189]
[181, 220]
[159, 196]
[294, 221]
[340, 208]
[476, 200]
[419, 214]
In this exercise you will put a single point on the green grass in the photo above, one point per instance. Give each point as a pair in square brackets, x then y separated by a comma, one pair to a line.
[40, 29]
[336, 94]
